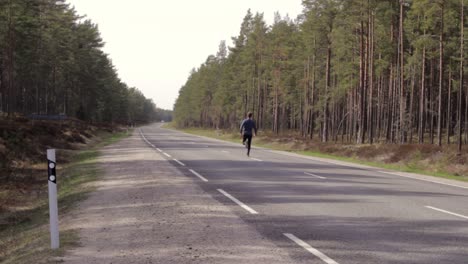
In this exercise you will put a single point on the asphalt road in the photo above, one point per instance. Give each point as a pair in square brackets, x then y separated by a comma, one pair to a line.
[326, 212]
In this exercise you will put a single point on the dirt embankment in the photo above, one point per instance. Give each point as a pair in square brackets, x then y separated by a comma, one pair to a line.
[23, 145]
[24, 141]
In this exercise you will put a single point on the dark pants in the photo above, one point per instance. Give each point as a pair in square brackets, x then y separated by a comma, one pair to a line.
[249, 142]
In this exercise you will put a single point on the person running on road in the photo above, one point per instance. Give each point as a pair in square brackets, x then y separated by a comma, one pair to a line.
[247, 130]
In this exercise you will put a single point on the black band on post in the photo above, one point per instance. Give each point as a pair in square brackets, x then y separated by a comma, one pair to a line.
[52, 171]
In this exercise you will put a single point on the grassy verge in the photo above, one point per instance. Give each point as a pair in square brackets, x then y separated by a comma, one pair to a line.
[24, 232]
[435, 164]
[397, 167]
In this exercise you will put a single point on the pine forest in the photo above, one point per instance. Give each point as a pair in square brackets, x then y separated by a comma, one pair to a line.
[52, 63]
[362, 71]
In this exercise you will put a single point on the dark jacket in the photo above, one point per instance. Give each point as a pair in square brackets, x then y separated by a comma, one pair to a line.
[248, 126]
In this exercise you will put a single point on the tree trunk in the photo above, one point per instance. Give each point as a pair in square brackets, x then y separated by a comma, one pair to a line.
[402, 79]
[431, 92]
[390, 103]
[410, 127]
[327, 88]
[361, 93]
[9, 63]
[312, 99]
[449, 107]
[421, 97]
[441, 76]
[370, 108]
[460, 91]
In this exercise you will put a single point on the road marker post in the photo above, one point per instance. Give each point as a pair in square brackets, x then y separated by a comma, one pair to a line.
[53, 204]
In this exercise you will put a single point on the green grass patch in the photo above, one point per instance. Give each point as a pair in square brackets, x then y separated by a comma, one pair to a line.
[24, 234]
[108, 139]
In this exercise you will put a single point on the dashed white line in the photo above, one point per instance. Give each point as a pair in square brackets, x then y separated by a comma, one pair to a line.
[256, 159]
[158, 149]
[241, 204]
[224, 151]
[179, 162]
[167, 155]
[447, 212]
[309, 248]
[313, 175]
[198, 175]
[420, 179]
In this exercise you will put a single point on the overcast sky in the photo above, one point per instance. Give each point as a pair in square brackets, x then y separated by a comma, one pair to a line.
[155, 43]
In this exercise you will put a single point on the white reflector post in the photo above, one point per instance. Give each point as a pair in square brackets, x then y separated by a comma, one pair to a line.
[53, 206]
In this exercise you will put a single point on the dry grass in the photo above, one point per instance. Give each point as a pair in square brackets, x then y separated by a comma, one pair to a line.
[426, 158]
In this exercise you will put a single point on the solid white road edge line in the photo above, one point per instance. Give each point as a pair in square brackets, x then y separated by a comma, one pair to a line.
[144, 138]
[313, 175]
[447, 212]
[427, 180]
[241, 204]
[198, 175]
[167, 155]
[179, 162]
[312, 250]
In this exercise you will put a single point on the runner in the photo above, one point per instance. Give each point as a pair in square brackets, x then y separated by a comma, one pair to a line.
[247, 130]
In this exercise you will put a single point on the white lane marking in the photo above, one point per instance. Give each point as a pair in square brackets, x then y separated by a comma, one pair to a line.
[158, 149]
[312, 250]
[313, 175]
[146, 140]
[225, 151]
[427, 180]
[447, 212]
[256, 159]
[179, 162]
[167, 155]
[241, 204]
[198, 175]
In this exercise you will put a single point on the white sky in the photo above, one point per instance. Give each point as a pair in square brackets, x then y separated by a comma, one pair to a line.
[154, 44]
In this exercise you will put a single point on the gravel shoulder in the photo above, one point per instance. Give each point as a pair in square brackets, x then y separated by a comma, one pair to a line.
[146, 211]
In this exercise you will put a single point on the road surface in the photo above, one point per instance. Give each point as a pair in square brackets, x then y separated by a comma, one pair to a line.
[145, 211]
[321, 211]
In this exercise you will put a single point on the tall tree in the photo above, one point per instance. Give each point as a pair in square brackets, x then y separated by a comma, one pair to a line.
[462, 73]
